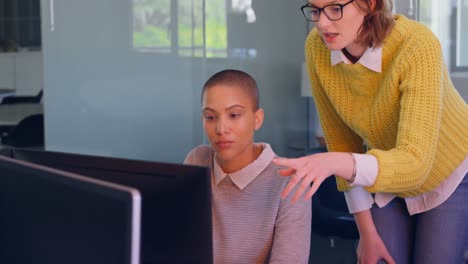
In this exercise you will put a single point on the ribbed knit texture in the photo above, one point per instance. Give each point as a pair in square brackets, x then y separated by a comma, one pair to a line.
[253, 224]
[410, 115]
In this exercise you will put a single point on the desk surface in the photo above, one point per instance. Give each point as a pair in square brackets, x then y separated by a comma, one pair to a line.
[7, 124]
[4, 92]
[12, 114]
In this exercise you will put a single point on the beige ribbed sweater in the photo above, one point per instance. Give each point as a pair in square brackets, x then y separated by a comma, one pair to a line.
[251, 223]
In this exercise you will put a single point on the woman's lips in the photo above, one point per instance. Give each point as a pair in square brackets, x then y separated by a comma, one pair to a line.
[222, 144]
[329, 37]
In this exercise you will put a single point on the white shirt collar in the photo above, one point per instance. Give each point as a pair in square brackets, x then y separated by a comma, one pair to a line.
[244, 176]
[371, 59]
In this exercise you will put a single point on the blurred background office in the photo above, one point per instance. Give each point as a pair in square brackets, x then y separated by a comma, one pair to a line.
[122, 78]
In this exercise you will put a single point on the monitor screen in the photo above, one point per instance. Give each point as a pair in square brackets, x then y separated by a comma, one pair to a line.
[176, 201]
[54, 217]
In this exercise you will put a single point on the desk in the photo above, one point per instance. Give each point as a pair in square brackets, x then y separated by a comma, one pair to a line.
[6, 125]
[12, 114]
[4, 92]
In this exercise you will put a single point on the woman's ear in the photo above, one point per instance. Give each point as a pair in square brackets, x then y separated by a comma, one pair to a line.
[259, 115]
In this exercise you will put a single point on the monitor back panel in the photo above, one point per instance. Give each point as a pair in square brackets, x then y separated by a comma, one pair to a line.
[176, 212]
[48, 216]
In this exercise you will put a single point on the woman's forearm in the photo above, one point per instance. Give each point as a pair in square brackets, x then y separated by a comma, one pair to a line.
[365, 223]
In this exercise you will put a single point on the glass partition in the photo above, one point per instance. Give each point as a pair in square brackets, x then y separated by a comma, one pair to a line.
[123, 77]
[448, 20]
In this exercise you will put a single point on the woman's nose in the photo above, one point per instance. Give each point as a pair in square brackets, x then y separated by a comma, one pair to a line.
[222, 126]
[323, 21]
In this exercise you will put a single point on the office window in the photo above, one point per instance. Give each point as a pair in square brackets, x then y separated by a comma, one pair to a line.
[20, 25]
[448, 20]
[192, 28]
[216, 29]
[152, 25]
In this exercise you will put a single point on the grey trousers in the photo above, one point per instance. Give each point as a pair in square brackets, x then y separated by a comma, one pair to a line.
[436, 236]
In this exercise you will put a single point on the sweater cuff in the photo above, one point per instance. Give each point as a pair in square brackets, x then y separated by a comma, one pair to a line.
[358, 199]
[367, 169]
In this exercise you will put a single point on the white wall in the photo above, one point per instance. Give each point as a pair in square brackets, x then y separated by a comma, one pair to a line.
[21, 72]
[7, 71]
[28, 71]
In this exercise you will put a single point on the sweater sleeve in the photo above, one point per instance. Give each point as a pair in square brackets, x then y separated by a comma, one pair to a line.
[190, 158]
[407, 165]
[291, 241]
[339, 137]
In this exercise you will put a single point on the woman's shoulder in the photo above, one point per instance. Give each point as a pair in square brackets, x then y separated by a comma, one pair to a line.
[407, 39]
[314, 47]
[271, 174]
[200, 155]
[313, 35]
[314, 39]
[413, 30]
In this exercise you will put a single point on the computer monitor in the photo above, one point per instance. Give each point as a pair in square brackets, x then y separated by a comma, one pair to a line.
[54, 217]
[176, 206]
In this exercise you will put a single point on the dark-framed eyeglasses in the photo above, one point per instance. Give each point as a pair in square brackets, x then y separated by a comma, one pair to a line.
[333, 12]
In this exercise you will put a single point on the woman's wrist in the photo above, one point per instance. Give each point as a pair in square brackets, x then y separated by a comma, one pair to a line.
[365, 224]
[353, 176]
[343, 165]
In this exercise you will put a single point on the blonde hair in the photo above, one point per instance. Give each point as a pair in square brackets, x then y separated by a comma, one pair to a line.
[377, 23]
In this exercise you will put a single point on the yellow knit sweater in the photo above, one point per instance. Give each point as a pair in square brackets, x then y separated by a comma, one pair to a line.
[411, 117]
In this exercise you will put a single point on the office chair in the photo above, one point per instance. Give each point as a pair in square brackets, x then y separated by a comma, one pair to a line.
[330, 213]
[331, 218]
[28, 133]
